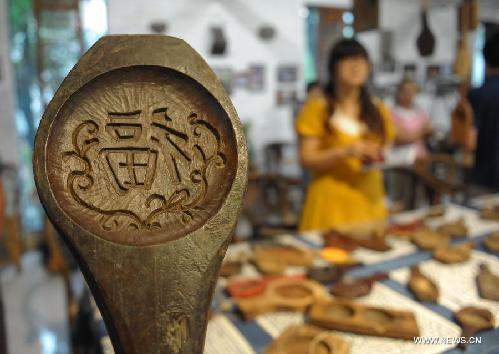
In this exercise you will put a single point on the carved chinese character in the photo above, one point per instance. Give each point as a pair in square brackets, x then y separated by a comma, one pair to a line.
[140, 158]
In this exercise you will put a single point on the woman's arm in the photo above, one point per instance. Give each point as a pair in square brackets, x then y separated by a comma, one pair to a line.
[405, 137]
[317, 159]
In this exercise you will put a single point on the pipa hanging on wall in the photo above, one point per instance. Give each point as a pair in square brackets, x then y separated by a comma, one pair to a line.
[462, 63]
[426, 40]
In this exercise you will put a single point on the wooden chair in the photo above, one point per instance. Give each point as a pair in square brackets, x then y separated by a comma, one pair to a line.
[441, 175]
[268, 205]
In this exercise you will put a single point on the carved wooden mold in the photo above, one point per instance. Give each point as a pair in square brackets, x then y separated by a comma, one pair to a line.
[492, 242]
[453, 254]
[307, 339]
[423, 288]
[283, 295]
[345, 315]
[141, 164]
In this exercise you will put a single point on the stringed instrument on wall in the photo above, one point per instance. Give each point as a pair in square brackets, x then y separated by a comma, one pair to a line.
[426, 40]
[462, 63]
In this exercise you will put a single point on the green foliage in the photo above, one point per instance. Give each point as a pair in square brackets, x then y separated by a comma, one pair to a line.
[20, 13]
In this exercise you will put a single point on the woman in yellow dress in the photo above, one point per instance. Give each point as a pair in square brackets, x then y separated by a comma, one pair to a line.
[339, 132]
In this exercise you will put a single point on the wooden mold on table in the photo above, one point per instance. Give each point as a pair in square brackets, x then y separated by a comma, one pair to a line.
[405, 229]
[436, 211]
[423, 288]
[140, 162]
[348, 316]
[307, 339]
[454, 229]
[490, 213]
[374, 241]
[275, 259]
[351, 288]
[428, 239]
[325, 274]
[230, 269]
[283, 295]
[244, 288]
[492, 242]
[488, 283]
[473, 320]
[453, 254]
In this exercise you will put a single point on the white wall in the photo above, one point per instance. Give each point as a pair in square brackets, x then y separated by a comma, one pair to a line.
[489, 10]
[190, 19]
[8, 135]
[240, 19]
[403, 19]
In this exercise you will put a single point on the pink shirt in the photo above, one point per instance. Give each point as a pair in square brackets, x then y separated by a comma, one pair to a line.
[409, 121]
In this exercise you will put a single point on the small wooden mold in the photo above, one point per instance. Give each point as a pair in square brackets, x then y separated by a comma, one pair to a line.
[254, 287]
[325, 274]
[246, 288]
[351, 288]
[492, 242]
[472, 320]
[230, 269]
[275, 259]
[436, 211]
[283, 295]
[307, 339]
[406, 229]
[373, 242]
[334, 239]
[344, 315]
[488, 283]
[423, 288]
[490, 213]
[429, 240]
[453, 254]
[454, 229]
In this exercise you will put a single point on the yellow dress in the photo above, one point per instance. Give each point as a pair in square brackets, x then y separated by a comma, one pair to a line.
[347, 194]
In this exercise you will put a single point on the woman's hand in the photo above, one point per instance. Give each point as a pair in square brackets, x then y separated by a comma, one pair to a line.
[366, 151]
[318, 159]
[315, 158]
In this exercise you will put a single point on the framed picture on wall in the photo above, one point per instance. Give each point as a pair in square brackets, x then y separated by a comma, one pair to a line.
[432, 71]
[286, 97]
[410, 71]
[240, 80]
[388, 66]
[224, 74]
[446, 69]
[287, 73]
[256, 77]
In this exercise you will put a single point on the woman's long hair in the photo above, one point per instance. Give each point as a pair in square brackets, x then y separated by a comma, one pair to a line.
[369, 114]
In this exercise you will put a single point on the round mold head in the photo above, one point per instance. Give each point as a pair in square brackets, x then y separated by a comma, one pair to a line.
[141, 155]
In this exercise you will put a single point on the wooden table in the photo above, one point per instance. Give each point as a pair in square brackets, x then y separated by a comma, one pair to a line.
[228, 333]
